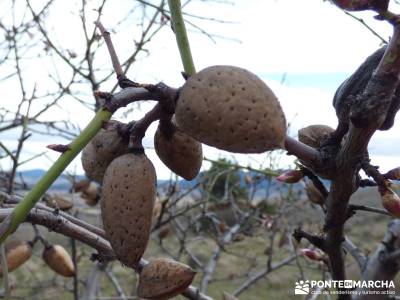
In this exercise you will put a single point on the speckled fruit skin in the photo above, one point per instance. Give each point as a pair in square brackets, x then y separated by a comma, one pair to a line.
[17, 253]
[181, 153]
[232, 109]
[58, 259]
[313, 135]
[128, 196]
[164, 278]
[102, 149]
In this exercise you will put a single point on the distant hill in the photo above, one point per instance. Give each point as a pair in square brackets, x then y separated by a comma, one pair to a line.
[30, 177]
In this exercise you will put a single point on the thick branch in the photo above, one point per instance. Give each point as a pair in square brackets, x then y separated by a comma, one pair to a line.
[308, 155]
[368, 116]
[12, 200]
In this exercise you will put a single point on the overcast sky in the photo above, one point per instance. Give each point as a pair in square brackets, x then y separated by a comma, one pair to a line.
[302, 49]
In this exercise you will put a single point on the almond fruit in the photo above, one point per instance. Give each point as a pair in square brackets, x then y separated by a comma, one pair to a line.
[91, 194]
[57, 201]
[164, 278]
[58, 259]
[313, 135]
[17, 252]
[291, 176]
[164, 231]
[181, 153]
[128, 196]
[81, 185]
[232, 109]
[105, 146]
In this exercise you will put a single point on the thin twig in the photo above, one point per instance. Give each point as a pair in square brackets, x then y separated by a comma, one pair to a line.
[114, 58]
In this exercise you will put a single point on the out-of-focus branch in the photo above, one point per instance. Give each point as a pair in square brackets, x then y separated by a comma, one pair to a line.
[354, 251]
[382, 265]
[256, 277]
[117, 286]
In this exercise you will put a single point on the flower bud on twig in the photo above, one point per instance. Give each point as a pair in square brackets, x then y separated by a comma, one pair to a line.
[312, 254]
[390, 201]
[292, 176]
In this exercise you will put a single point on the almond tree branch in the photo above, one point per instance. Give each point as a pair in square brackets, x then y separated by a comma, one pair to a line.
[114, 58]
[179, 28]
[10, 202]
[366, 118]
[308, 155]
[355, 207]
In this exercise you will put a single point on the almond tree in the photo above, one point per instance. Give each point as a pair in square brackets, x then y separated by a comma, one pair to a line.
[232, 109]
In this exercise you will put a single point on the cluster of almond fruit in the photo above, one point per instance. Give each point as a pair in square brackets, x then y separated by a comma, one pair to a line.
[222, 106]
[88, 190]
[55, 257]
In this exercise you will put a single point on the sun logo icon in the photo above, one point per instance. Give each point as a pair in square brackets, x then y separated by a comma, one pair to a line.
[302, 287]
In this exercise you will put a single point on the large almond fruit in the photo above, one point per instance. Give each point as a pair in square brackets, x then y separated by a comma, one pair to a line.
[164, 278]
[313, 135]
[181, 153]
[58, 259]
[105, 146]
[17, 252]
[231, 109]
[128, 195]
